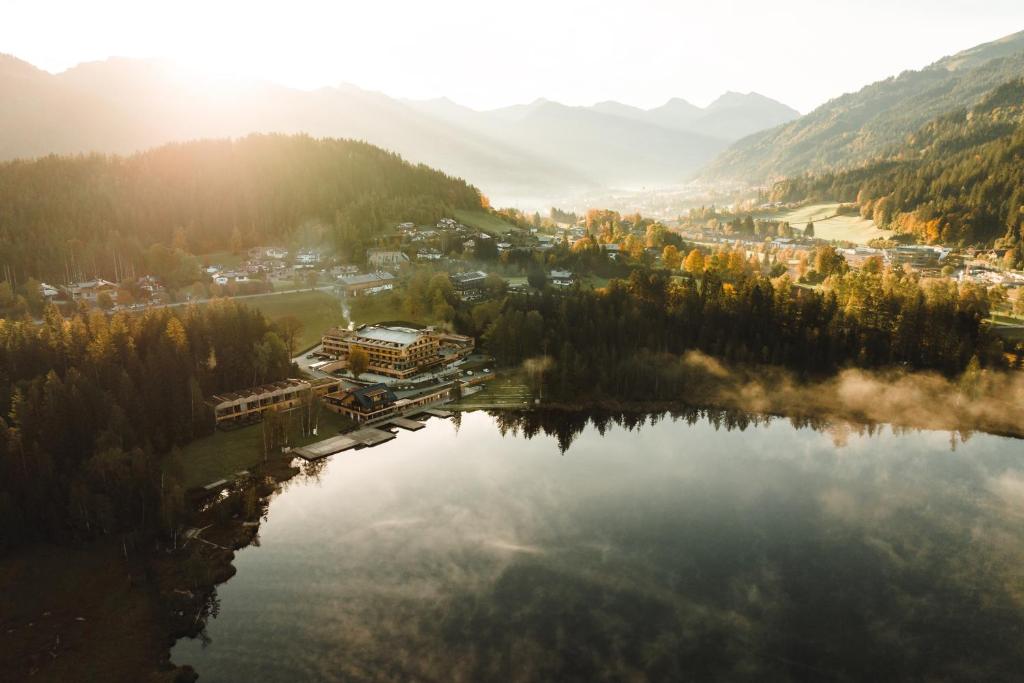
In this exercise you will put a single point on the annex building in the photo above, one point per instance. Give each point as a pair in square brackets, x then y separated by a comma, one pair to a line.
[248, 405]
[398, 352]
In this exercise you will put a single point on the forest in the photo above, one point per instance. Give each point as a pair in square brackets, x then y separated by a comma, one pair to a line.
[90, 404]
[958, 180]
[626, 341]
[71, 217]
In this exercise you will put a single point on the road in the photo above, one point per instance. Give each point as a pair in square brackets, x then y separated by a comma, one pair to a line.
[324, 288]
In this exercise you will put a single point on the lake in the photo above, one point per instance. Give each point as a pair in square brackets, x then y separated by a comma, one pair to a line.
[658, 549]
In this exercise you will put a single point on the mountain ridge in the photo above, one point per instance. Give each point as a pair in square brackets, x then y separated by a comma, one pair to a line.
[856, 128]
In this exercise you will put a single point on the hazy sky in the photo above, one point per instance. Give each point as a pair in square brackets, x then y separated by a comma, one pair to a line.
[487, 53]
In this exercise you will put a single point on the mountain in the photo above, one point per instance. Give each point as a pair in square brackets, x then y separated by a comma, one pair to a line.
[614, 150]
[735, 115]
[730, 117]
[959, 179]
[123, 106]
[858, 127]
[540, 151]
[676, 113]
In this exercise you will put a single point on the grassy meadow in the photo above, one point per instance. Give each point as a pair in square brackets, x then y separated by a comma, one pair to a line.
[830, 226]
[483, 221]
[317, 310]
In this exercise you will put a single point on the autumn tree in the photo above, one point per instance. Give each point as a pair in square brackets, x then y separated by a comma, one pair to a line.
[289, 328]
[671, 257]
[694, 263]
[358, 361]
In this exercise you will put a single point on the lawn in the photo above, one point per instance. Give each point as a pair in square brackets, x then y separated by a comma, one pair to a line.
[225, 259]
[223, 453]
[829, 226]
[317, 310]
[382, 308]
[483, 221]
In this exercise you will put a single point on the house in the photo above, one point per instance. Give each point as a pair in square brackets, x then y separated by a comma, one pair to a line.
[49, 292]
[398, 352]
[382, 258]
[366, 284]
[307, 258]
[428, 255]
[91, 290]
[561, 278]
[473, 280]
[228, 276]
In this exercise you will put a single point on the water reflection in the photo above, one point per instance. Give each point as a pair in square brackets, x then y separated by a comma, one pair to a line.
[679, 546]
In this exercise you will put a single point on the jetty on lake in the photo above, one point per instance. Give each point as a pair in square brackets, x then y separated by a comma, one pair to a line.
[365, 437]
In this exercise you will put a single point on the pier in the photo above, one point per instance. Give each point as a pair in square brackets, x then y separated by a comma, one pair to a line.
[365, 437]
[406, 423]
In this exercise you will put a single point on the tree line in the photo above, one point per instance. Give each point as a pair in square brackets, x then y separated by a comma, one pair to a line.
[626, 340]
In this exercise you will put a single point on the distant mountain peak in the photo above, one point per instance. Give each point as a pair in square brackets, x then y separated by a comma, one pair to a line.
[12, 66]
[731, 98]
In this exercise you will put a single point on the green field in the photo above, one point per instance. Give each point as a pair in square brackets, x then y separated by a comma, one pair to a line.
[225, 259]
[383, 308]
[829, 226]
[483, 221]
[317, 310]
[221, 454]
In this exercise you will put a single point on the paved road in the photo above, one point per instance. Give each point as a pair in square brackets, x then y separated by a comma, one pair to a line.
[324, 288]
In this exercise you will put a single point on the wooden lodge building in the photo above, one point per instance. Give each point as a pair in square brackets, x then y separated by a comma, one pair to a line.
[248, 405]
[398, 352]
[378, 402]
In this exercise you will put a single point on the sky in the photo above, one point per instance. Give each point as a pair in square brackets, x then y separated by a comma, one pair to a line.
[487, 53]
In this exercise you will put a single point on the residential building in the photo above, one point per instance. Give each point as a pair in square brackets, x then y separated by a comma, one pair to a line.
[366, 284]
[398, 352]
[382, 258]
[561, 278]
[90, 290]
[472, 280]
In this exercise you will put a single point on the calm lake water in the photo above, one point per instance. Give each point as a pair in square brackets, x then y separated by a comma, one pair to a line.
[676, 550]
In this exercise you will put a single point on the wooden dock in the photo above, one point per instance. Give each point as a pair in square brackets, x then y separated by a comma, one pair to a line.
[406, 423]
[367, 436]
[437, 412]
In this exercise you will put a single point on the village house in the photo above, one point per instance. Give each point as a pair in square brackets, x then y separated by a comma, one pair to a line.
[398, 352]
[383, 258]
[366, 284]
[91, 290]
[49, 292]
[561, 278]
[473, 280]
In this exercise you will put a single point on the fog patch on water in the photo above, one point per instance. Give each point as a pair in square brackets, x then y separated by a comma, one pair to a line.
[981, 400]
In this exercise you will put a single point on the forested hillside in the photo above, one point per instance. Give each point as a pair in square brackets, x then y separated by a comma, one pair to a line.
[958, 180]
[861, 127]
[62, 215]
